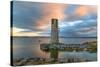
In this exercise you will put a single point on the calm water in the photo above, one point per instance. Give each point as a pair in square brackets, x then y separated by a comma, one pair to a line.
[28, 47]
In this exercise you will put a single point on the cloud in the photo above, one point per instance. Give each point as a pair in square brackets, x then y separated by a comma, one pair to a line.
[79, 28]
[81, 12]
[87, 30]
[84, 10]
[36, 16]
[15, 29]
[34, 19]
[50, 11]
[25, 14]
[72, 23]
[25, 32]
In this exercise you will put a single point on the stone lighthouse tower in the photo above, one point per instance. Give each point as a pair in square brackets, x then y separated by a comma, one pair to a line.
[54, 31]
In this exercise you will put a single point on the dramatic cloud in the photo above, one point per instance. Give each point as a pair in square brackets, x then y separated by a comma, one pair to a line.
[81, 12]
[50, 11]
[84, 10]
[25, 14]
[34, 19]
[79, 28]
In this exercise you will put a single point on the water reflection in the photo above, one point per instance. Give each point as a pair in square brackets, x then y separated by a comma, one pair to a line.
[30, 47]
[80, 55]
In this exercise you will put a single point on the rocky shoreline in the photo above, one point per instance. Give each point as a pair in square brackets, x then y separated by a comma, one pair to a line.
[37, 61]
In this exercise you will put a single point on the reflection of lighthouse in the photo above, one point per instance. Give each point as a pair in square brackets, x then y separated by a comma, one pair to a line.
[54, 31]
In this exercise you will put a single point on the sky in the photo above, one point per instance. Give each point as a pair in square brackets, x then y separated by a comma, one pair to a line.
[34, 19]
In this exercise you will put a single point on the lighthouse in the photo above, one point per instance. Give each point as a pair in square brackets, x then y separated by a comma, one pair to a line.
[54, 42]
[54, 31]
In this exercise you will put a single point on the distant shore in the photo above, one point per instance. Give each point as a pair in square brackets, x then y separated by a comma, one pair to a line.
[50, 37]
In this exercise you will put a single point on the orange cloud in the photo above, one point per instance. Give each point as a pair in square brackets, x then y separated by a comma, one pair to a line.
[50, 11]
[92, 9]
[81, 10]
[84, 10]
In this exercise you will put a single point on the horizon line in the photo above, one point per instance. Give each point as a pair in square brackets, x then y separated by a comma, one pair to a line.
[59, 37]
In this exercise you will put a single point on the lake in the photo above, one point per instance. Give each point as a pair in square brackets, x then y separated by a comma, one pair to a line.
[29, 47]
